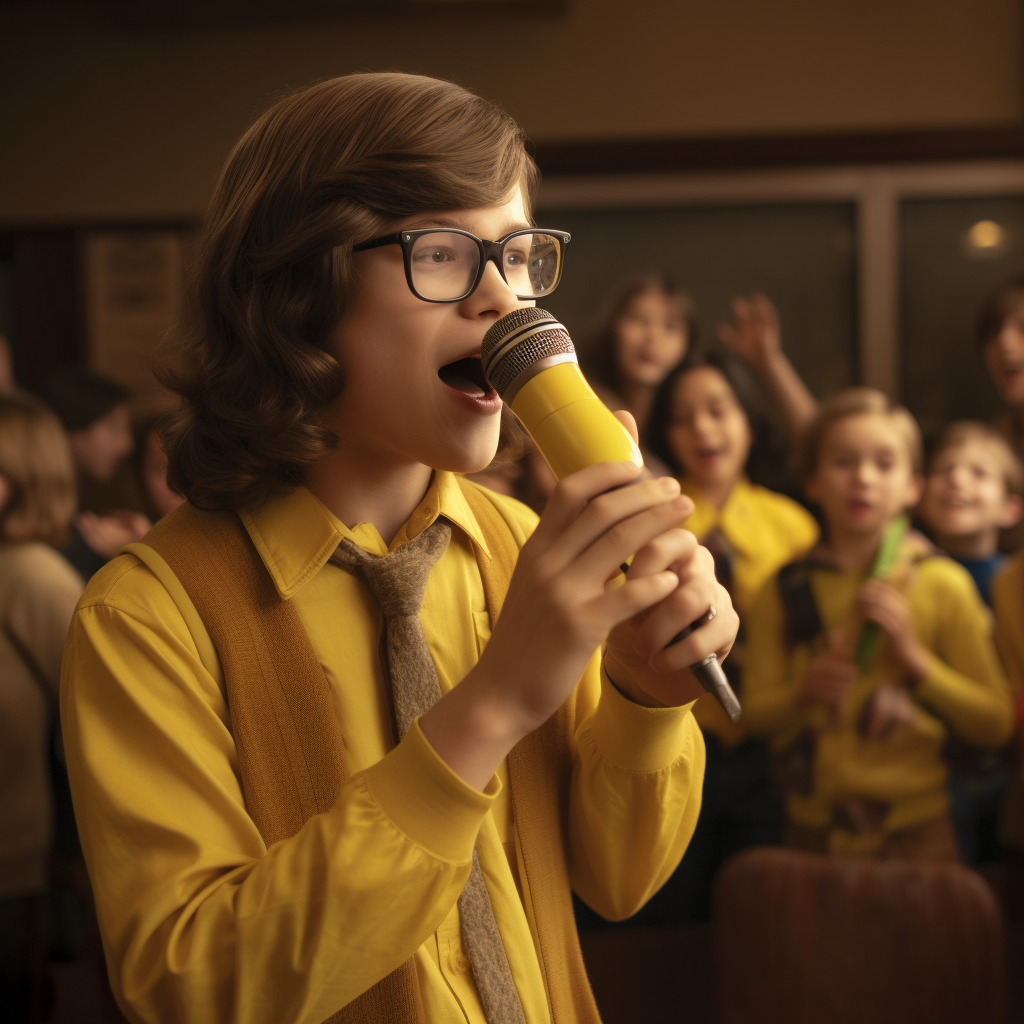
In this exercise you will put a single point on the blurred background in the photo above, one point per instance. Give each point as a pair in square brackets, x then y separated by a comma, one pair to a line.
[852, 160]
[862, 163]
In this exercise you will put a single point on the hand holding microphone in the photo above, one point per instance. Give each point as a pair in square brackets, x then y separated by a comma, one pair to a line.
[530, 361]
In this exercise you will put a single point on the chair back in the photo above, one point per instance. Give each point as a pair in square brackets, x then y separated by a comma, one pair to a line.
[805, 939]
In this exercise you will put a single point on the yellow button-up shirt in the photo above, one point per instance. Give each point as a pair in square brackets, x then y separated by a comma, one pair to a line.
[201, 923]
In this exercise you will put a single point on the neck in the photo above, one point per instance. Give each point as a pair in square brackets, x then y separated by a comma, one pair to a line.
[715, 492]
[361, 488]
[853, 552]
[638, 398]
[983, 544]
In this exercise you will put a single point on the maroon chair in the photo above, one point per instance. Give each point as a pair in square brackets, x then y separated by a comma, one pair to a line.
[804, 939]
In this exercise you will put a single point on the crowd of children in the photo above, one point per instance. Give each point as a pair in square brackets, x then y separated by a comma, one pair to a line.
[878, 719]
[309, 850]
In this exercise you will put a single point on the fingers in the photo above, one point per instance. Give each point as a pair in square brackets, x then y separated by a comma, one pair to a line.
[667, 551]
[571, 495]
[613, 526]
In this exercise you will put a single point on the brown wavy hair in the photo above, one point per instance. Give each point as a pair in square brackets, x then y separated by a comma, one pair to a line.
[35, 460]
[321, 170]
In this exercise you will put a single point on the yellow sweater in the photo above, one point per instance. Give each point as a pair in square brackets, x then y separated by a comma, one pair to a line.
[202, 923]
[764, 531]
[964, 690]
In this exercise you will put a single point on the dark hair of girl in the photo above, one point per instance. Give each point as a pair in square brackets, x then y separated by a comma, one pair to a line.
[998, 307]
[767, 459]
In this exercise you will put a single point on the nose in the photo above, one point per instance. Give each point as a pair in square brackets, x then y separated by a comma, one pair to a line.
[493, 297]
[958, 475]
[863, 471]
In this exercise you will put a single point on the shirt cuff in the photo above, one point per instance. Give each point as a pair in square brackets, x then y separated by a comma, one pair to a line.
[433, 806]
[636, 738]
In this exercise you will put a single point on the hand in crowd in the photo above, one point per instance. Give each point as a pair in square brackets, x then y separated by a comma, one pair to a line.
[830, 673]
[890, 708]
[106, 535]
[882, 603]
[755, 335]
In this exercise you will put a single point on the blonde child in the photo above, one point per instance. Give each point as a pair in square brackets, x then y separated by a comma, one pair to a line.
[709, 425]
[866, 657]
[972, 493]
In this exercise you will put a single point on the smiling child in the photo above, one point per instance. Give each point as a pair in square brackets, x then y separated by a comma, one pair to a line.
[859, 728]
[709, 425]
[972, 493]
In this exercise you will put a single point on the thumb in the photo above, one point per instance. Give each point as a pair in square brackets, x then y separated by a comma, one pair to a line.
[627, 420]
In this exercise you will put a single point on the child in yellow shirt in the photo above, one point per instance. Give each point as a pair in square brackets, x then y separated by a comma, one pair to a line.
[708, 424]
[317, 776]
[866, 657]
[972, 494]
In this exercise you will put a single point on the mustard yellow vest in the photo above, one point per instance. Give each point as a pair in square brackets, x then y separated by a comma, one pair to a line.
[293, 762]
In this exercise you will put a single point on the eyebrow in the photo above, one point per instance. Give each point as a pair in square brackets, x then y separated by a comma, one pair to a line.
[454, 222]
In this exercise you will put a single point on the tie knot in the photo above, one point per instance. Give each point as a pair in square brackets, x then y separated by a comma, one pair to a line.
[398, 580]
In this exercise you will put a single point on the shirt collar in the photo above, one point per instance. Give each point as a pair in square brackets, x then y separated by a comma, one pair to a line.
[296, 534]
[734, 517]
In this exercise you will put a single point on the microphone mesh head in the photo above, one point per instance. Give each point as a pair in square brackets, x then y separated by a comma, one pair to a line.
[517, 341]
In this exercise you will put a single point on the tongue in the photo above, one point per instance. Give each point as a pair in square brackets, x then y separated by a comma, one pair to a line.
[457, 375]
[463, 384]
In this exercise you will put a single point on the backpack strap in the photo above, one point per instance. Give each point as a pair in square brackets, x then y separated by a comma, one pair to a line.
[803, 621]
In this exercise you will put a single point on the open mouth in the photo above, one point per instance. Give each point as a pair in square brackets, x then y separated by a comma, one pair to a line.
[467, 376]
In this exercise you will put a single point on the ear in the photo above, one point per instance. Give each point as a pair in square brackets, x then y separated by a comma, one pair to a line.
[1013, 510]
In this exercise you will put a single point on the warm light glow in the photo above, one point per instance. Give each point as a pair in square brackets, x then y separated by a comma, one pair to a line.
[986, 234]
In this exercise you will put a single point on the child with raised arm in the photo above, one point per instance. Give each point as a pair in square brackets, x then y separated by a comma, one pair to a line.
[317, 775]
[865, 657]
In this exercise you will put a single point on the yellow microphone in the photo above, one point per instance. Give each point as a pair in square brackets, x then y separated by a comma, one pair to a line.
[529, 359]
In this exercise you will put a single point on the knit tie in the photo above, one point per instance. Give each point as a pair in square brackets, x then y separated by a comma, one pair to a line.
[398, 582]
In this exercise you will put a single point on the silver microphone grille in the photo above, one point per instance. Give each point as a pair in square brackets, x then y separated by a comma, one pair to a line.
[519, 340]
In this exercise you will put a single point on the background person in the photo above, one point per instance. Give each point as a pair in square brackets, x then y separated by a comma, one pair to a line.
[973, 493]
[97, 417]
[860, 734]
[38, 594]
[709, 424]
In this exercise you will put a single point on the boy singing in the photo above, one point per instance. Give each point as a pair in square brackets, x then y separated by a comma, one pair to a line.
[317, 776]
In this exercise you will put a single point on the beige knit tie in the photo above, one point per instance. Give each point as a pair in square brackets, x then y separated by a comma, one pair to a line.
[398, 582]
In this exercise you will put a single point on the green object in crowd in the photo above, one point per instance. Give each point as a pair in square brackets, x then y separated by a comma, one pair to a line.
[884, 561]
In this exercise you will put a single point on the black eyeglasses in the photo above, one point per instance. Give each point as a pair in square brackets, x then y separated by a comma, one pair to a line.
[446, 264]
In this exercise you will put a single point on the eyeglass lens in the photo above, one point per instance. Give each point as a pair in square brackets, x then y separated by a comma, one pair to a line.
[445, 264]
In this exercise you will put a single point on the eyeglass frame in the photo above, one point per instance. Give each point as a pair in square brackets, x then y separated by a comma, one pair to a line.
[490, 252]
